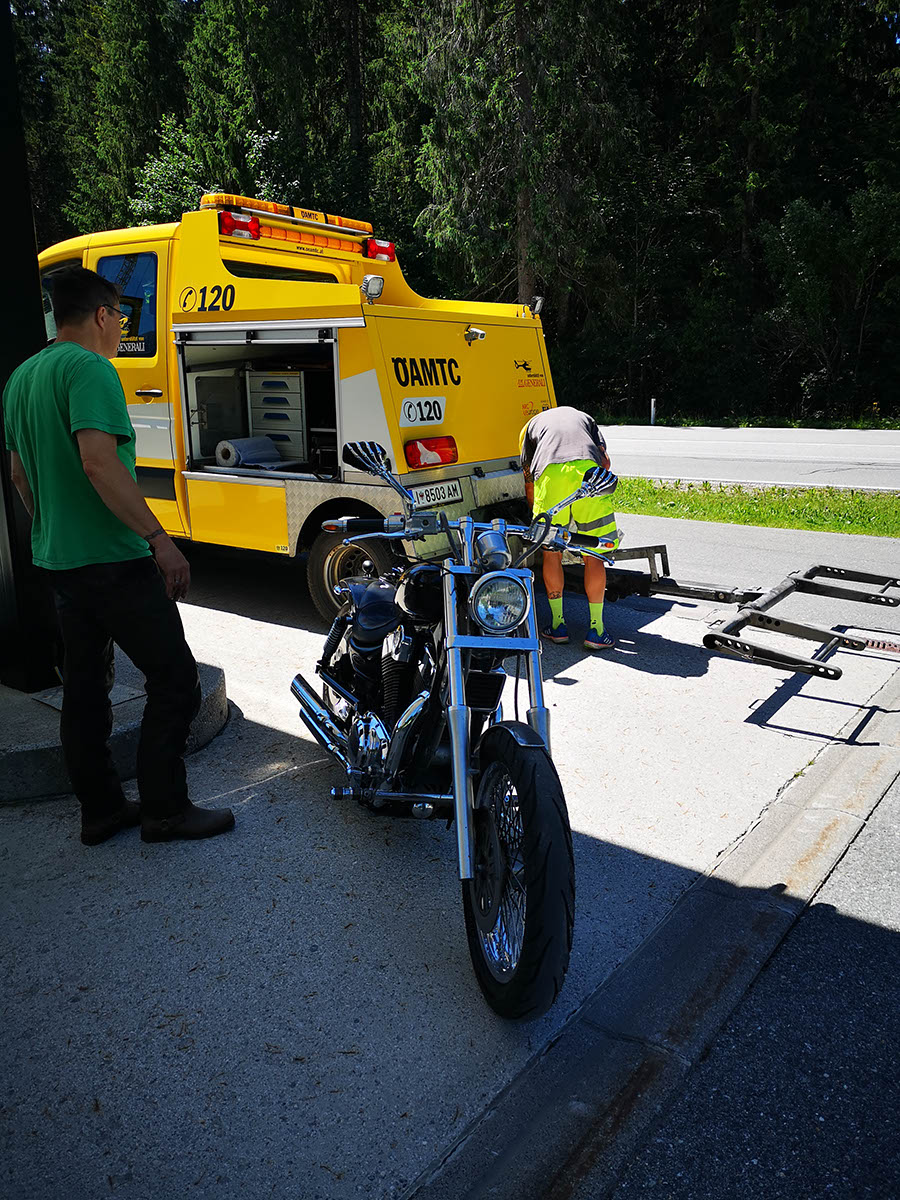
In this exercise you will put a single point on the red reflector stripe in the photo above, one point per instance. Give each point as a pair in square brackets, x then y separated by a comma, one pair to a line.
[430, 452]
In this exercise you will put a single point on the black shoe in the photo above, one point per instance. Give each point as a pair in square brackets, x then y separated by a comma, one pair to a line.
[191, 822]
[101, 829]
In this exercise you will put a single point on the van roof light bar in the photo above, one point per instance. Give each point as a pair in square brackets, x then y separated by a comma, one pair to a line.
[305, 215]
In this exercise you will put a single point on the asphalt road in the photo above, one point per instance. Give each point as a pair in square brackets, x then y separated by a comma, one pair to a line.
[798, 1095]
[289, 1010]
[850, 458]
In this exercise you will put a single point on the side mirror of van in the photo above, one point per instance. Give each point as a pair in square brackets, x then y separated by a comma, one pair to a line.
[366, 456]
[598, 481]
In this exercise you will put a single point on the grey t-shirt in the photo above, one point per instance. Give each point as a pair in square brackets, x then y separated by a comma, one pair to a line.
[561, 435]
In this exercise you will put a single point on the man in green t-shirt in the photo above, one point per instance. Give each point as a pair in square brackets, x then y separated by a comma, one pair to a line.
[115, 573]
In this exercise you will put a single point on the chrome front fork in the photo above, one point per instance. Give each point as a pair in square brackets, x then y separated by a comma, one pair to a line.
[538, 715]
[459, 723]
[459, 716]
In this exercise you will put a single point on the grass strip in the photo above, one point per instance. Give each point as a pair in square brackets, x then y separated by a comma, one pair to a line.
[834, 510]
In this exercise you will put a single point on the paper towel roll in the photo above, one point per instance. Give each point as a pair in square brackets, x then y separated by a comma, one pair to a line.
[247, 452]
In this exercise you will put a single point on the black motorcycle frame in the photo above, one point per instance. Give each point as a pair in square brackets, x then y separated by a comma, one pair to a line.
[447, 653]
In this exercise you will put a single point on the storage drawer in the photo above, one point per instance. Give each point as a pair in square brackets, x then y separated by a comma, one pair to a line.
[291, 443]
[264, 419]
[288, 400]
[274, 382]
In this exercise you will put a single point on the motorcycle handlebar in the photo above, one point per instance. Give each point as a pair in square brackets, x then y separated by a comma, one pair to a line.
[398, 527]
[346, 525]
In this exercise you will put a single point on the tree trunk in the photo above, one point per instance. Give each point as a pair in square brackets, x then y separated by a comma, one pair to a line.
[750, 170]
[356, 97]
[524, 220]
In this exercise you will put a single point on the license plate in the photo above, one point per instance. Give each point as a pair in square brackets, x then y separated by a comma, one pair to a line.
[437, 493]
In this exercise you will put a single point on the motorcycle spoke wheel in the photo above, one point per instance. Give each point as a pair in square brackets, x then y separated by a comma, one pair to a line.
[519, 906]
[499, 888]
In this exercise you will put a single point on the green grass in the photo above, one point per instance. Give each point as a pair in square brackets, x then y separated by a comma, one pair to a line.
[829, 509]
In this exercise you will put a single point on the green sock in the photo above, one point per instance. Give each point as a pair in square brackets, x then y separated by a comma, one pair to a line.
[556, 612]
[597, 616]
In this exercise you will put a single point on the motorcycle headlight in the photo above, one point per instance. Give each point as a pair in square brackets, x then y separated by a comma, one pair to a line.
[498, 602]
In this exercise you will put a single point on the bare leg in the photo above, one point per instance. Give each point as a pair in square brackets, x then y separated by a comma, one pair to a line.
[554, 580]
[594, 578]
[554, 583]
[595, 586]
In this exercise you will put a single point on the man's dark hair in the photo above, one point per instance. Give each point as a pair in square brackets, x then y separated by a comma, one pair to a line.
[78, 292]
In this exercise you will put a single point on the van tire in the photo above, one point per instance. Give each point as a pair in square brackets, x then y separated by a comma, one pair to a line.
[329, 561]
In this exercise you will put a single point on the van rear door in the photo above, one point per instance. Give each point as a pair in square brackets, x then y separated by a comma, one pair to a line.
[479, 391]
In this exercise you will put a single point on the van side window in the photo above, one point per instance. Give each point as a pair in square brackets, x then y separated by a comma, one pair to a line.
[47, 280]
[247, 270]
[135, 277]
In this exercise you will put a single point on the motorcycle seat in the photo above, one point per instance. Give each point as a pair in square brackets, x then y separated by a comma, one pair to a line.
[376, 614]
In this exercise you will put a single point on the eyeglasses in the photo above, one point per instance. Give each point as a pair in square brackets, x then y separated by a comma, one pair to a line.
[112, 308]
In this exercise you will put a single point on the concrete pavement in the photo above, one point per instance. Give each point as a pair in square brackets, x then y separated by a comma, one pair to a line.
[31, 759]
[798, 1095]
[572, 1120]
[289, 1010]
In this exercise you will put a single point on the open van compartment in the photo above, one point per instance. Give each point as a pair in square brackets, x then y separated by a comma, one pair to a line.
[284, 392]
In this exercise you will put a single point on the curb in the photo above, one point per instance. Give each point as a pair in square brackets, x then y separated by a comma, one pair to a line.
[36, 770]
[572, 1117]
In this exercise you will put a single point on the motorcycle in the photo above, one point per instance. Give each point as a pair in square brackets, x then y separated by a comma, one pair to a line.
[412, 673]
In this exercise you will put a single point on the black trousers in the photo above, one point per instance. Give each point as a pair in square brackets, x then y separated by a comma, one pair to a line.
[124, 603]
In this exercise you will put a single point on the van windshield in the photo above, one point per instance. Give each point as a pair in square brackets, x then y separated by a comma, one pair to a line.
[261, 270]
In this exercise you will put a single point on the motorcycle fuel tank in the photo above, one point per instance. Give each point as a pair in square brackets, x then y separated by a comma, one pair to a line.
[376, 612]
[419, 593]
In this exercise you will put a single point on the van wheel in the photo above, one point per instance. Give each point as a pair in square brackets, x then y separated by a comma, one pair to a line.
[330, 561]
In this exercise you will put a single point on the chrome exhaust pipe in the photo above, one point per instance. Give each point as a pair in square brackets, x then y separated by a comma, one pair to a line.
[400, 738]
[319, 721]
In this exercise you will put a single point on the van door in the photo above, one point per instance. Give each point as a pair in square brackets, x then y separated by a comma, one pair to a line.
[478, 392]
[140, 272]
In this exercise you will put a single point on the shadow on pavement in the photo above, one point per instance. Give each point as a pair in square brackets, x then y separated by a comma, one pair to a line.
[264, 587]
[278, 1004]
[797, 1096]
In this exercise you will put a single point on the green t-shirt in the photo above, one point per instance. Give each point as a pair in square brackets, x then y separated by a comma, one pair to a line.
[47, 400]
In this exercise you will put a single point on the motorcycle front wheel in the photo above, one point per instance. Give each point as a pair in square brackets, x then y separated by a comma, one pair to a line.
[520, 906]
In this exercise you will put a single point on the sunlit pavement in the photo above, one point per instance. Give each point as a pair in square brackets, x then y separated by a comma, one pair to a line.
[289, 1010]
[845, 458]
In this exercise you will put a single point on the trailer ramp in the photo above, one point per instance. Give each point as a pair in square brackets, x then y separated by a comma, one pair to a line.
[755, 605]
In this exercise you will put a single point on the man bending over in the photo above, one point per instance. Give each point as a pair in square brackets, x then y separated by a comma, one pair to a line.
[558, 446]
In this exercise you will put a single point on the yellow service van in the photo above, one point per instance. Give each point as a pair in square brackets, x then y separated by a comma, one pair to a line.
[259, 337]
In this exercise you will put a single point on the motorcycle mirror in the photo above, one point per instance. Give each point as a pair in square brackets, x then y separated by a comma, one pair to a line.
[598, 481]
[373, 459]
[365, 456]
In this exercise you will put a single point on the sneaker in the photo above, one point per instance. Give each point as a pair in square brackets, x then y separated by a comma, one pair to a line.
[598, 641]
[558, 634]
[101, 829]
[191, 822]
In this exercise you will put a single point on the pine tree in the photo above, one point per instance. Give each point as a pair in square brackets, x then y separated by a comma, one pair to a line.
[526, 122]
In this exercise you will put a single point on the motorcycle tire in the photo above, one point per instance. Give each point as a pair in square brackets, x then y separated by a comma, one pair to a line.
[520, 906]
[330, 561]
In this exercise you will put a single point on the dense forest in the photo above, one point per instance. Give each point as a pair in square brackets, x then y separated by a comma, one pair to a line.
[707, 192]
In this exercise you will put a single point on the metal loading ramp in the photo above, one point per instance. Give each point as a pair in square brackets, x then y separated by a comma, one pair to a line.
[755, 607]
